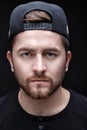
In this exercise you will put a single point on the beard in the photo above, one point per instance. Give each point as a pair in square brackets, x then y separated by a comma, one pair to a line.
[40, 87]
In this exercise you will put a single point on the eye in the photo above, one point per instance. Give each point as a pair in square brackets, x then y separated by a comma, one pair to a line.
[51, 55]
[25, 54]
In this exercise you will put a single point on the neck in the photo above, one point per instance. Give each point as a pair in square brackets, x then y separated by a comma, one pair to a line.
[50, 106]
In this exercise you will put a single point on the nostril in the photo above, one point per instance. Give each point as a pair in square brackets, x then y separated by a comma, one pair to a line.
[39, 69]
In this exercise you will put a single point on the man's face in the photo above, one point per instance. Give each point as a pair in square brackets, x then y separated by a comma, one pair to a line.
[39, 62]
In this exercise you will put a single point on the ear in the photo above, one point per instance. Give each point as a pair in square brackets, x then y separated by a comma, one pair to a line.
[69, 55]
[9, 57]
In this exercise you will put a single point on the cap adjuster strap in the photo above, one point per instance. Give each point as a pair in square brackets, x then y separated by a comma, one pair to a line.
[37, 25]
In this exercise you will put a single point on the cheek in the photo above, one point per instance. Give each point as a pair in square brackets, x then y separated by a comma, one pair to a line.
[20, 66]
[20, 70]
[57, 70]
[19, 73]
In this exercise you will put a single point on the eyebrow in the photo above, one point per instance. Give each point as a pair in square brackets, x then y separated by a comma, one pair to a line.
[52, 49]
[44, 50]
[25, 49]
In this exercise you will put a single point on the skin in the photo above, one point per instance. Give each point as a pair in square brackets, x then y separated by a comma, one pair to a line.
[39, 62]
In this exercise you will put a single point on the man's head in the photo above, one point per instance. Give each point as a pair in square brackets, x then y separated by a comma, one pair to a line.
[39, 43]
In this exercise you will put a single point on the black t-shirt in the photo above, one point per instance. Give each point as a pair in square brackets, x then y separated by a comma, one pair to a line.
[13, 117]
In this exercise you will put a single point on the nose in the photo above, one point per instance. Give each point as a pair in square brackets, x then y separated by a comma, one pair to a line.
[39, 66]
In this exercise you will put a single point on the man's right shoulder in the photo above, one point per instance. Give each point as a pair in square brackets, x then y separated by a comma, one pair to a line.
[7, 99]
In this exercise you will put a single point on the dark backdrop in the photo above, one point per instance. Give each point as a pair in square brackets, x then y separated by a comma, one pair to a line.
[76, 76]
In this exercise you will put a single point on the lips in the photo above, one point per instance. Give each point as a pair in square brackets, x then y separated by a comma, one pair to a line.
[39, 80]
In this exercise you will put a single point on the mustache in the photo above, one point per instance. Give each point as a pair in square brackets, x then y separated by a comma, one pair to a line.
[39, 78]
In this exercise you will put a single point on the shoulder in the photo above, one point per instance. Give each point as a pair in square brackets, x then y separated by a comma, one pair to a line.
[7, 100]
[78, 103]
[78, 98]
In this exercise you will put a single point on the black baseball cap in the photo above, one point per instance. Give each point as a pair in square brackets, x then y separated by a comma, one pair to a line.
[59, 22]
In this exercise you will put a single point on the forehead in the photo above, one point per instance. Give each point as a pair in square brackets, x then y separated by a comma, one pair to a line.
[38, 38]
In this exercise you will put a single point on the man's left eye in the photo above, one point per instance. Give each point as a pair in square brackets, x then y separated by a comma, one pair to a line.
[51, 55]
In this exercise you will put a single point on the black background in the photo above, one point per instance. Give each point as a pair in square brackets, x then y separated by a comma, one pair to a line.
[76, 14]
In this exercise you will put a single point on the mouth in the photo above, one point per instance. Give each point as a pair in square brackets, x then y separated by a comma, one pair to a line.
[39, 80]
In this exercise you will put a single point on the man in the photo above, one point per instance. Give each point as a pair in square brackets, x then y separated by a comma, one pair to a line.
[39, 56]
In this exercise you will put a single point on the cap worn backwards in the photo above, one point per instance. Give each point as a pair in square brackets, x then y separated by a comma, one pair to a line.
[59, 21]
